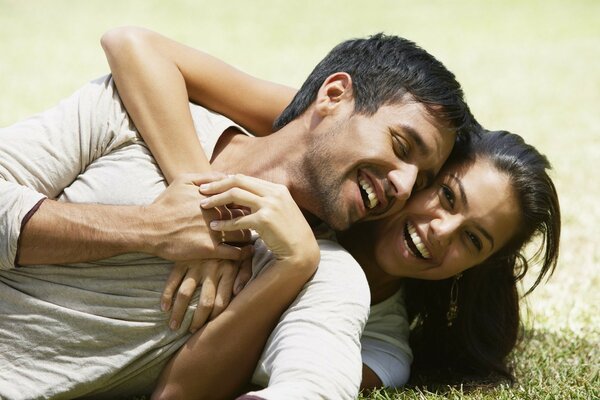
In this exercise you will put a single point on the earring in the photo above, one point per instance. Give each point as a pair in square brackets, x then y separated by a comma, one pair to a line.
[453, 306]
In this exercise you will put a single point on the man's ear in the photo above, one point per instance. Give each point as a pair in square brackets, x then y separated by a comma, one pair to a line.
[336, 89]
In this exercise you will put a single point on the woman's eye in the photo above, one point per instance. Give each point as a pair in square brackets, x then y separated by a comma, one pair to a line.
[475, 240]
[448, 195]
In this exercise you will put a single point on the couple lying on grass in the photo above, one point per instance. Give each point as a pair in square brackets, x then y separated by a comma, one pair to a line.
[367, 229]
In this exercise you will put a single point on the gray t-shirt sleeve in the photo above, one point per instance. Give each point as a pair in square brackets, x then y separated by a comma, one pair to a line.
[42, 155]
[314, 351]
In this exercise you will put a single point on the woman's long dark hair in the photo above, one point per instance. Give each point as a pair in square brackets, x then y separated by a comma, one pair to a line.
[487, 325]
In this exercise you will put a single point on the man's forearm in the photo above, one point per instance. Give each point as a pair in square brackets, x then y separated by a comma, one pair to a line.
[61, 233]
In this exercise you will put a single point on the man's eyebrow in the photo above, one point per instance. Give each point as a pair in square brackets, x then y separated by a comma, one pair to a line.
[416, 137]
[465, 201]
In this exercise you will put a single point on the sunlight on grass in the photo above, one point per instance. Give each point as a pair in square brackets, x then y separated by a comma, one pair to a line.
[526, 66]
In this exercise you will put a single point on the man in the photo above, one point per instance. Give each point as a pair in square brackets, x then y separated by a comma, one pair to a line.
[326, 120]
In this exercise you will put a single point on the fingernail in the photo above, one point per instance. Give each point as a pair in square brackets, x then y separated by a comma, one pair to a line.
[205, 186]
[173, 325]
[164, 306]
[204, 202]
[214, 224]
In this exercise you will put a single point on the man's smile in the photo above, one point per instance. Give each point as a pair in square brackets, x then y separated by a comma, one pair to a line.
[372, 193]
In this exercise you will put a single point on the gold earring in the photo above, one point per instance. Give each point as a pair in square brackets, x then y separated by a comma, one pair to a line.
[453, 306]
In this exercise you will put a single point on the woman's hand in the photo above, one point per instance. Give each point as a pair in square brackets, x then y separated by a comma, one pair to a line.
[273, 214]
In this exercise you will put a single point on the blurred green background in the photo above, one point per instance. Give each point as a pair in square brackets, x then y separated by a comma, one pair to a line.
[531, 67]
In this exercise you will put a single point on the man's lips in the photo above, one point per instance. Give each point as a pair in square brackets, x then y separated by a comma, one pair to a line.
[372, 192]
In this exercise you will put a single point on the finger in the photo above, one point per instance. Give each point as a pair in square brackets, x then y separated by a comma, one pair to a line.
[233, 195]
[252, 221]
[173, 281]
[249, 183]
[228, 272]
[182, 299]
[243, 276]
[237, 238]
[240, 237]
[205, 304]
[227, 251]
[207, 177]
[237, 212]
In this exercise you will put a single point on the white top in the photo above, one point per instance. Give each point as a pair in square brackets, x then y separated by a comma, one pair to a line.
[385, 341]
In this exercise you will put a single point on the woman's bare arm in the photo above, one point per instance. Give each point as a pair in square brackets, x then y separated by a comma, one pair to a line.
[219, 360]
[156, 76]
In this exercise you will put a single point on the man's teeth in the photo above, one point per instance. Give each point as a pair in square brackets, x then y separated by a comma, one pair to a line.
[373, 200]
[417, 241]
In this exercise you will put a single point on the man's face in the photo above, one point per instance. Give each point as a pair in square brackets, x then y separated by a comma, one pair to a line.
[364, 167]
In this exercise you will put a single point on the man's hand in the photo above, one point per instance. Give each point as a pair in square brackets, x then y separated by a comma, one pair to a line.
[220, 281]
[179, 226]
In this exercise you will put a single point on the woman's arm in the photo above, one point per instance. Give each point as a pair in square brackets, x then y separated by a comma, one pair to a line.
[153, 75]
[219, 359]
[157, 76]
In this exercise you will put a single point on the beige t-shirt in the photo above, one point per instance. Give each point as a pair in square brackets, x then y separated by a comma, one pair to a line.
[96, 329]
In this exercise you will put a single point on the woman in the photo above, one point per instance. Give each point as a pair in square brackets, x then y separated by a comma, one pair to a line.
[474, 331]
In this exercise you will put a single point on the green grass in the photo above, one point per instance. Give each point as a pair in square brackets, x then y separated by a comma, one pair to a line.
[527, 66]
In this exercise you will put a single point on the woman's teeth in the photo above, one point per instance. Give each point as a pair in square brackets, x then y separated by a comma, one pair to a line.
[372, 197]
[416, 239]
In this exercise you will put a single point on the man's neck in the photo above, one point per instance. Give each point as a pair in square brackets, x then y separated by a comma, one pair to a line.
[276, 158]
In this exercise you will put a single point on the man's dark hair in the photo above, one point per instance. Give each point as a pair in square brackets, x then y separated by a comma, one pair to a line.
[383, 69]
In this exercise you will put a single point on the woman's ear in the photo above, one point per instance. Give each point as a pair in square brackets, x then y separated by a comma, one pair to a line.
[335, 90]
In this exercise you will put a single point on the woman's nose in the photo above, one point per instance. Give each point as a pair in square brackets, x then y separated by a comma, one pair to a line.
[443, 228]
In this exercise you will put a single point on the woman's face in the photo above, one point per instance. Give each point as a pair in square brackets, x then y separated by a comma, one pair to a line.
[463, 218]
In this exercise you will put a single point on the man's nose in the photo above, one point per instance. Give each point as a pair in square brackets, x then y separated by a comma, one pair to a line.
[403, 180]
[442, 228]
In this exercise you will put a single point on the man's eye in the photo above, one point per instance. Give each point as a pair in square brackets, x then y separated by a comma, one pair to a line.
[475, 240]
[448, 195]
[401, 149]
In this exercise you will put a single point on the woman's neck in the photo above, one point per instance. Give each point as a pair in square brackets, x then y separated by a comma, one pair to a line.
[358, 240]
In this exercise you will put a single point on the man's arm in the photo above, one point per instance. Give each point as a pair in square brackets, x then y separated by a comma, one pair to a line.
[60, 233]
[41, 156]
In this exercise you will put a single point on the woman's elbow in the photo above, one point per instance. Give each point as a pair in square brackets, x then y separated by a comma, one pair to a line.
[122, 38]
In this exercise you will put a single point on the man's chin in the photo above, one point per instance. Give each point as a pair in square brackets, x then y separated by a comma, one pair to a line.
[338, 222]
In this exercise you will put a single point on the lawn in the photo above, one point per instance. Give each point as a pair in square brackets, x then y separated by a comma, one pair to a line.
[531, 67]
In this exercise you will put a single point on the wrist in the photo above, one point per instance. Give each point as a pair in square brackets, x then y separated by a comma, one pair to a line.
[141, 234]
[304, 262]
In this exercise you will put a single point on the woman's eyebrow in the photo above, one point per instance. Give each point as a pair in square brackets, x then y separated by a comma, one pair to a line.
[465, 201]
[461, 189]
